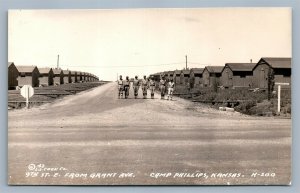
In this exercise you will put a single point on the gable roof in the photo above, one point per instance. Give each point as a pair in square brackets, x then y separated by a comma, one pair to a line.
[214, 69]
[73, 72]
[197, 70]
[57, 71]
[44, 70]
[240, 67]
[186, 72]
[66, 72]
[276, 62]
[25, 69]
[169, 72]
[151, 74]
[10, 63]
[177, 71]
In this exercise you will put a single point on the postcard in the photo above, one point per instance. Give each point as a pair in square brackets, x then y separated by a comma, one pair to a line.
[187, 96]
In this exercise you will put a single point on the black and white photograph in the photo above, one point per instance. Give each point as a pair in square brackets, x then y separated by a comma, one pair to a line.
[150, 96]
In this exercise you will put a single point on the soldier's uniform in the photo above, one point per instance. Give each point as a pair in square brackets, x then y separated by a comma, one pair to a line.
[171, 86]
[152, 87]
[126, 85]
[144, 87]
[120, 88]
[136, 86]
[162, 85]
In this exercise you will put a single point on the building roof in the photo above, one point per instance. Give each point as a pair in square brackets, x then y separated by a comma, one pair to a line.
[73, 72]
[66, 72]
[240, 67]
[168, 72]
[214, 69]
[44, 70]
[57, 71]
[197, 70]
[177, 72]
[277, 62]
[10, 63]
[26, 69]
[186, 72]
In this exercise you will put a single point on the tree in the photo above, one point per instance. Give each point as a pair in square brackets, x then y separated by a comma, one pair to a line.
[271, 83]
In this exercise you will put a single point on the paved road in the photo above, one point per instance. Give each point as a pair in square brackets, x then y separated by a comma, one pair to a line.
[106, 140]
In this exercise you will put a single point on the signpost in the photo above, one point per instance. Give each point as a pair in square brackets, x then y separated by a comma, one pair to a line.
[27, 91]
[279, 92]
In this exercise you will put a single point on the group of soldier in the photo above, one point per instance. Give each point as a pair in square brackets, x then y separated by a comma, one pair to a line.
[145, 84]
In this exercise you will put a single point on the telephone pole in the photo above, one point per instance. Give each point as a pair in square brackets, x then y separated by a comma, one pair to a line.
[57, 61]
[186, 62]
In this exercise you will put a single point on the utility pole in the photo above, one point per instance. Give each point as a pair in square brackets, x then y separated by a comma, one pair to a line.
[186, 62]
[57, 61]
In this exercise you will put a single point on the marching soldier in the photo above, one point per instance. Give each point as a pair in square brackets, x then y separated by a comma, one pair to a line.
[144, 87]
[120, 87]
[136, 86]
[152, 86]
[171, 87]
[162, 85]
[126, 85]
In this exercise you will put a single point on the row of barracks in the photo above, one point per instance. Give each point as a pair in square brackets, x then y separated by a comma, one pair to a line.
[34, 76]
[234, 75]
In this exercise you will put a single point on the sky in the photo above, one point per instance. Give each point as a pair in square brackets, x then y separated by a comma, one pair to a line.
[139, 42]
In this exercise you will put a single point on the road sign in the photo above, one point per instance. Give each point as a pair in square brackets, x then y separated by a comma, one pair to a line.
[27, 91]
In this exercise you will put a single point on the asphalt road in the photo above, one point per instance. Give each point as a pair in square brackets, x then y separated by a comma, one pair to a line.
[95, 138]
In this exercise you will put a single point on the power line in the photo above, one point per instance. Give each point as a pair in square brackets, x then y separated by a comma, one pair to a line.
[125, 66]
[199, 63]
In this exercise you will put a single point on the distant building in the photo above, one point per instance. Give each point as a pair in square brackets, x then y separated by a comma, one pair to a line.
[67, 76]
[176, 76]
[58, 76]
[237, 75]
[169, 75]
[155, 76]
[196, 76]
[84, 74]
[46, 76]
[73, 76]
[279, 68]
[184, 76]
[91, 78]
[211, 75]
[28, 75]
[88, 77]
[79, 76]
[13, 74]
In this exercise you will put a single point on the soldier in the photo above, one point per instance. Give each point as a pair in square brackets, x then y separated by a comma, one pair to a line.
[145, 87]
[152, 86]
[126, 84]
[136, 86]
[162, 85]
[171, 87]
[120, 87]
